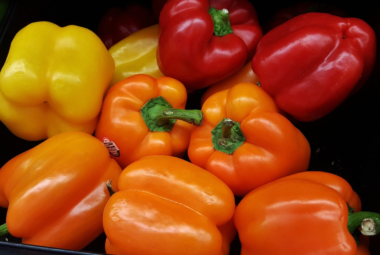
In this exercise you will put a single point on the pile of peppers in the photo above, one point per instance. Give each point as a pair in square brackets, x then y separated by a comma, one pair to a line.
[120, 151]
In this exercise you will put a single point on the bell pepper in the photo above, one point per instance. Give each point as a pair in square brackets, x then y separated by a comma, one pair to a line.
[305, 213]
[313, 62]
[204, 41]
[56, 191]
[245, 74]
[302, 7]
[245, 141]
[143, 116]
[166, 205]
[136, 54]
[54, 80]
[117, 24]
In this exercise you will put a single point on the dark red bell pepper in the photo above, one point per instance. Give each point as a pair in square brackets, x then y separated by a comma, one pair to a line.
[204, 41]
[312, 62]
[117, 24]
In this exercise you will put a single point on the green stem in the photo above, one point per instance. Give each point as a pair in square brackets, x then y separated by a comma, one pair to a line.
[221, 19]
[368, 222]
[227, 136]
[4, 230]
[160, 116]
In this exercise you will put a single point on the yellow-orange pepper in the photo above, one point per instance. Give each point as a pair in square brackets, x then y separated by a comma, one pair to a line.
[53, 80]
[136, 54]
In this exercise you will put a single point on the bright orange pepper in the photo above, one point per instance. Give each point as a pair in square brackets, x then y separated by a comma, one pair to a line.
[306, 213]
[56, 191]
[261, 147]
[167, 205]
[245, 74]
[142, 116]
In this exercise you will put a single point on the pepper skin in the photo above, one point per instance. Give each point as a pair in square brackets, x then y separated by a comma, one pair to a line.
[245, 74]
[167, 205]
[144, 116]
[200, 44]
[136, 54]
[301, 214]
[54, 80]
[56, 191]
[245, 141]
[313, 62]
[118, 24]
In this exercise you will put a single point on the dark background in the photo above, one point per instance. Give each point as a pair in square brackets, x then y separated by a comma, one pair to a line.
[346, 142]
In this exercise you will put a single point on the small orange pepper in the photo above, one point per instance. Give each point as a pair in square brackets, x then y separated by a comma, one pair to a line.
[142, 116]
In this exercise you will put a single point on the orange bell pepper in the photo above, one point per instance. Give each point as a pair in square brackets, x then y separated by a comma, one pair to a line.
[142, 116]
[245, 74]
[245, 141]
[167, 205]
[305, 213]
[56, 191]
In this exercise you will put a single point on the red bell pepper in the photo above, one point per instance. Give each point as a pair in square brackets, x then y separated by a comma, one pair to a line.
[312, 62]
[204, 41]
[117, 24]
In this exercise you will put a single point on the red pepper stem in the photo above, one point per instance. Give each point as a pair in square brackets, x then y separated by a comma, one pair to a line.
[221, 19]
[4, 230]
[367, 222]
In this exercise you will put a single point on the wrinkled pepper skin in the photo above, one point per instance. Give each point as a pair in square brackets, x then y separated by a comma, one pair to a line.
[245, 74]
[123, 127]
[313, 62]
[305, 213]
[273, 147]
[136, 54]
[117, 23]
[54, 80]
[167, 205]
[56, 191]
[189, 51]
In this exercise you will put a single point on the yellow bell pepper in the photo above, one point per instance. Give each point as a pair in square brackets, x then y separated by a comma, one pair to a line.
[54, 80]
[136, 54]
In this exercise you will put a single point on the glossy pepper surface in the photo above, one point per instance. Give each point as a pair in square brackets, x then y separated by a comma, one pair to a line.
[53, 81]
[117, 24]
[202, 42]
[311, 63]
[56, 191]
[305, 213]
[136, 54]
[143, 116]
[245, 141]
[167, 205]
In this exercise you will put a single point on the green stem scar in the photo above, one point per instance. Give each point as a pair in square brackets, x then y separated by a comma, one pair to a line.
[160, 116]
[227, 136]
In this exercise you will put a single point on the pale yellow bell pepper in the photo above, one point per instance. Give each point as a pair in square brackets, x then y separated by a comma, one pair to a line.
[54, 80]
[136, 54]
